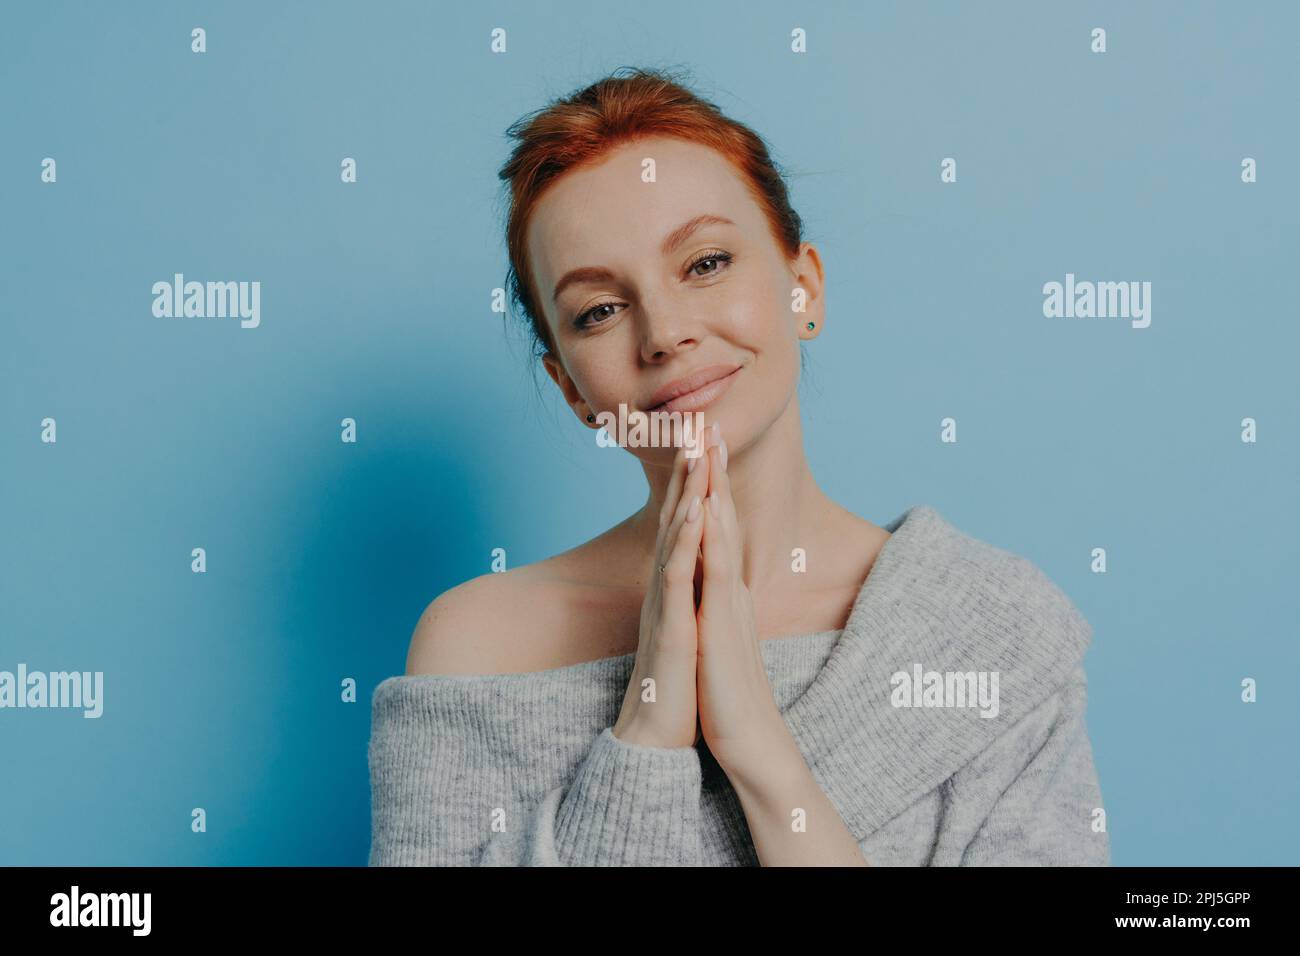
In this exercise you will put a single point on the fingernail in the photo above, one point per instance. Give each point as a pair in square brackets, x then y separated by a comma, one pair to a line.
[722, 450]
[713, 504]
[715, 434]
[693, 511]
[690, 465]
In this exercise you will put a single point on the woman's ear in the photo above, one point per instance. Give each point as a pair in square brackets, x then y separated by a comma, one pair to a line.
[572, 397]
[808, 290]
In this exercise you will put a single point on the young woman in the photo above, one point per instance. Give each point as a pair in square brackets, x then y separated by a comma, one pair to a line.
[742, 672]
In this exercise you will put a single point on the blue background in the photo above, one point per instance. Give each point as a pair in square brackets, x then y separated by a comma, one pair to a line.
[222, 689]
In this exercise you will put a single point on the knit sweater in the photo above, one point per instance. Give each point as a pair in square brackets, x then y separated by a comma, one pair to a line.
[923, 768]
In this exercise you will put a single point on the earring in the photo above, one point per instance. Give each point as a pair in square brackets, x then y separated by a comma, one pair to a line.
[591, 417]
[810, 326]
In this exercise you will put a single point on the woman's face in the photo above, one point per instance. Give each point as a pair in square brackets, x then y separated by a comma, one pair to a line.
[636, 299]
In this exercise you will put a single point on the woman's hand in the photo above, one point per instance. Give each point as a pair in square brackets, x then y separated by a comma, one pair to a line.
[741, 722]
[667, 642]
[739, 718]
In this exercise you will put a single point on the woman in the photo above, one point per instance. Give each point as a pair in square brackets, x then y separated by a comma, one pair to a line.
[742, 672]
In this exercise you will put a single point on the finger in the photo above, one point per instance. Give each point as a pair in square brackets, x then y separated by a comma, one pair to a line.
[721, 550]
[672, 498]
[720, 482]
[676, 583]
[679, 567]
[695, 484]
[675, 482]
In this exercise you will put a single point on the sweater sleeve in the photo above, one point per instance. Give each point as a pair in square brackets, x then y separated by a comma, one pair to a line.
[460, 777]
[1048, 814]
[628, 805]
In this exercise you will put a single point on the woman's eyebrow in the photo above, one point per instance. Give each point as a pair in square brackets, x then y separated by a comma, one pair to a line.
[684, 231]
[670, 242]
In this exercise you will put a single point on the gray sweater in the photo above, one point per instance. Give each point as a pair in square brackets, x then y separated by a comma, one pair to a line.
[945, 722]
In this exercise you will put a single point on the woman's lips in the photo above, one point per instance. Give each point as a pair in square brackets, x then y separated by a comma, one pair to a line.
[701, 398]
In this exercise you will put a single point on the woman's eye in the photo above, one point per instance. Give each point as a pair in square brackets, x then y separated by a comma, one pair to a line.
[586, 318]
[717, 258]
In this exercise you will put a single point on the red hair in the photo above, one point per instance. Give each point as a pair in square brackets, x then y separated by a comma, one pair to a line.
[579, 129]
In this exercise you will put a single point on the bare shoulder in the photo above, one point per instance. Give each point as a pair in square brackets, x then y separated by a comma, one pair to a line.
[470, 628]
[553, 613]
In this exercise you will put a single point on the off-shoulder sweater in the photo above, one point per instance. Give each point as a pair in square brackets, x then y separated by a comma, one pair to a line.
[944, 722]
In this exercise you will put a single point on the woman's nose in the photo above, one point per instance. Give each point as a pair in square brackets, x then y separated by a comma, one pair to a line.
[667, 330]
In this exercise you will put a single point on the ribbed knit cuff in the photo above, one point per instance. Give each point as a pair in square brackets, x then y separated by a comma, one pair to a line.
[631, 805]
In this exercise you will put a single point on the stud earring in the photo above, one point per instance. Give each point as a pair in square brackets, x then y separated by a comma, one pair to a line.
[810, 326]
[591, 417]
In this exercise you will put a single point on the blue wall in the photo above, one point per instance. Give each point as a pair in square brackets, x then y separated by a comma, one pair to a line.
[222, 689]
